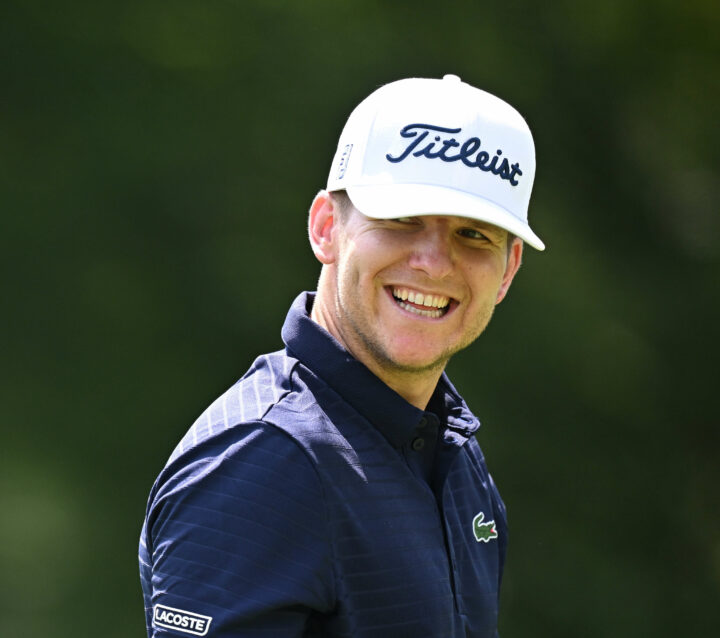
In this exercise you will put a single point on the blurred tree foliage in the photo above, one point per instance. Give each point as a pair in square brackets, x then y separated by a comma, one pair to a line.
[157, 161]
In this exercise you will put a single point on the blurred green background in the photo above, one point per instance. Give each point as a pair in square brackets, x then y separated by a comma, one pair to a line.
[157, 160]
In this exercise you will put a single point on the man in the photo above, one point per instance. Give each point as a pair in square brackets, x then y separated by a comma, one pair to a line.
[337, 489]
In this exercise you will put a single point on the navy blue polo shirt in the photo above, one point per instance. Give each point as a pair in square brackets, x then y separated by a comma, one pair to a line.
[312, 500]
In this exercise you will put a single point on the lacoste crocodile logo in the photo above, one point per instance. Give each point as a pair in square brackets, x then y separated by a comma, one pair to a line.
[484, 532]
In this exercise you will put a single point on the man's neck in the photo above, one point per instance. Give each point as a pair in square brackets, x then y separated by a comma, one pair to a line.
[416, 387]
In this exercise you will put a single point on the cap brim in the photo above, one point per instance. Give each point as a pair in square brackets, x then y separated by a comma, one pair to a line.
[388, 201]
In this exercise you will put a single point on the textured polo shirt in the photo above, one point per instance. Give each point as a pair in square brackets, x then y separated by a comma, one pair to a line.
[312, 500]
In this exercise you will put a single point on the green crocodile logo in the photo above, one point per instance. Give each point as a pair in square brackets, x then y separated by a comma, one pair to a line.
[484, 532]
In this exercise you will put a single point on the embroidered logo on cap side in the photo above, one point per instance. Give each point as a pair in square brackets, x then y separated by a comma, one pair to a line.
[484, 532]
[344, 159]
[187, 622]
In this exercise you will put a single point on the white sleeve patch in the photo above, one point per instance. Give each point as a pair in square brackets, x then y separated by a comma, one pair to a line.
[180, 620]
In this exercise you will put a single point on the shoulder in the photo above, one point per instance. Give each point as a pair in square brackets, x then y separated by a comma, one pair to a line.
[277, 425]
[266, 382]
[251, 467]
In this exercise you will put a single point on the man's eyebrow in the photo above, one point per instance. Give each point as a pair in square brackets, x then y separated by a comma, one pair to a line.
[476, 223]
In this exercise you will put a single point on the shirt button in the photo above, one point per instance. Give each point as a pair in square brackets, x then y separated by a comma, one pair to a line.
[423, 422]
[418, 444]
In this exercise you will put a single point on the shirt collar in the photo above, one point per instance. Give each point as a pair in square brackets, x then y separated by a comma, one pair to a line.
[396, 419]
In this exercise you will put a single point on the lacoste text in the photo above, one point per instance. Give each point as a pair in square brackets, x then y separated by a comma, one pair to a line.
[181, 620]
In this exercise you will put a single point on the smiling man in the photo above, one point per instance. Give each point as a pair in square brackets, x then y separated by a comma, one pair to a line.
[337, 489]
[403, 295]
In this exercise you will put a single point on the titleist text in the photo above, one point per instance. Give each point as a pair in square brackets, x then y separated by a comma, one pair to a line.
[468, 152]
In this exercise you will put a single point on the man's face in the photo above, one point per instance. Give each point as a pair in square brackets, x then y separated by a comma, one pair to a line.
[411, 292]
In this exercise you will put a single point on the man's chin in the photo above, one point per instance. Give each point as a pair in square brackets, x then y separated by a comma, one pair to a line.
[401, 355]
[414, 363]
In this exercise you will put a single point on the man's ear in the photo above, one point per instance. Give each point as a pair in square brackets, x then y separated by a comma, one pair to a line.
[321, 224]
[511, 268]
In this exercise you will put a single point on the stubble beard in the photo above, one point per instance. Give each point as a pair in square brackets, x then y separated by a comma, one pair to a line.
[368, 343]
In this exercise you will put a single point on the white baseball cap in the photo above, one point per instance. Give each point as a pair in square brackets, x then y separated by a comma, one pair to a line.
[437, 147]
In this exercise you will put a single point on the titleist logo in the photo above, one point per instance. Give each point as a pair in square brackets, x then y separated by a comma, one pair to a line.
[468, 152]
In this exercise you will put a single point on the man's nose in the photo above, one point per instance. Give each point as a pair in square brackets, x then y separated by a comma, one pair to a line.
[432, 253]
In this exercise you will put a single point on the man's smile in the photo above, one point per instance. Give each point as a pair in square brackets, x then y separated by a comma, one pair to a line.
[423, 304]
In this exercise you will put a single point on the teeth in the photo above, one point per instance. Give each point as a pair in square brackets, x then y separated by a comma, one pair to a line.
[434, 314]
[429, 301]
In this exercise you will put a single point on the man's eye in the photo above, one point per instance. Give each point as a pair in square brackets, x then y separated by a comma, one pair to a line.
[473, 233]
[405, 220]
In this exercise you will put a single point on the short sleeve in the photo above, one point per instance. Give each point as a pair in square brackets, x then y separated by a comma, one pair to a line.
[236, 534]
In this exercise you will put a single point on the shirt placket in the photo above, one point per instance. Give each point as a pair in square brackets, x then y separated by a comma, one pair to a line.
[420, 450]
